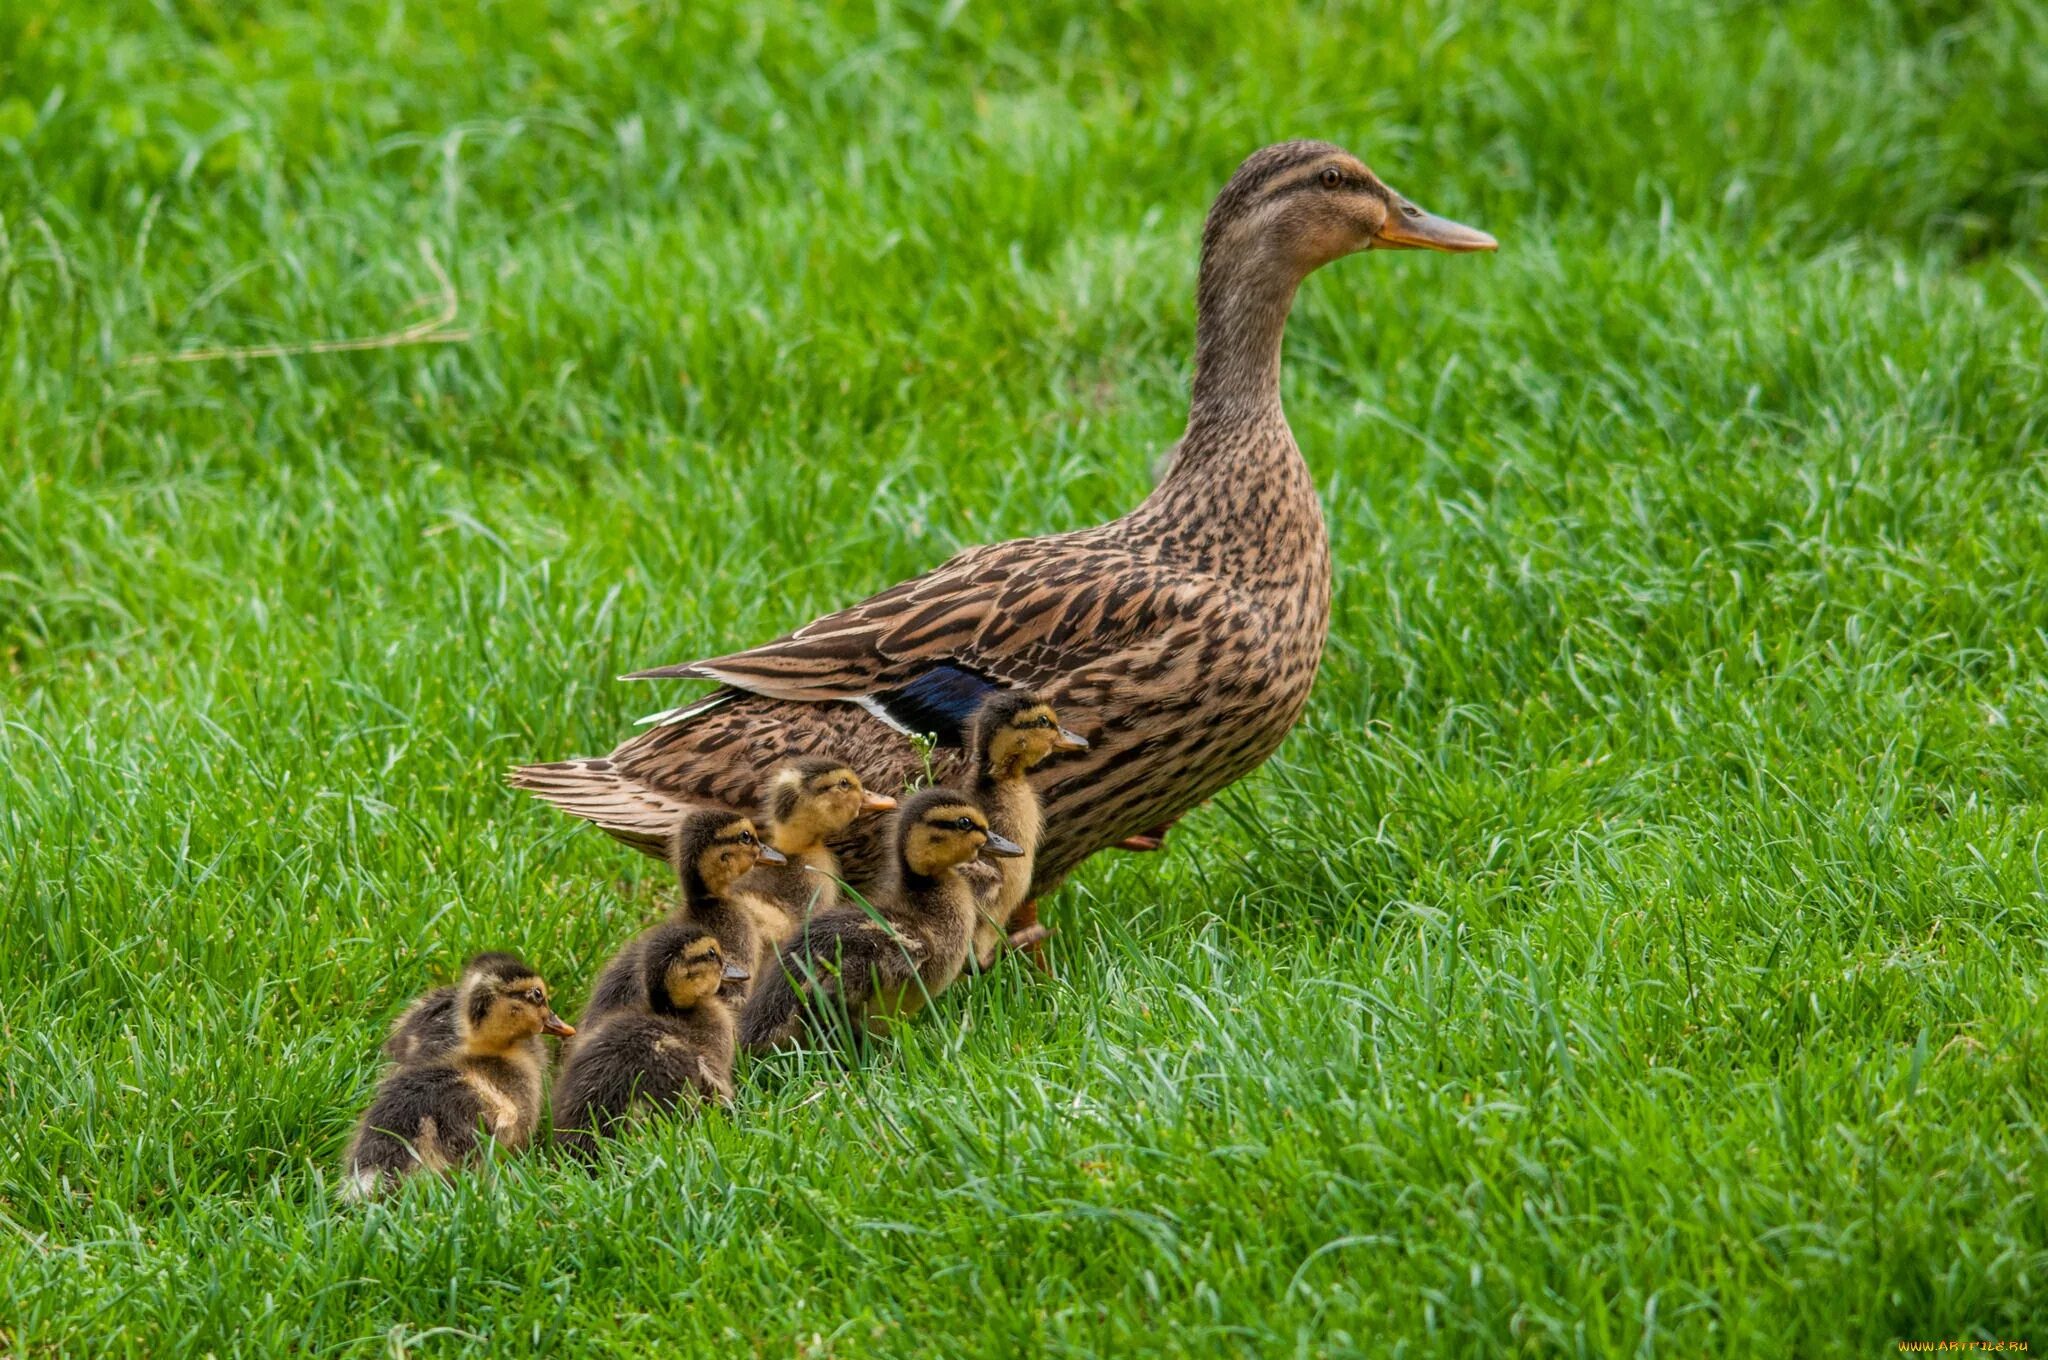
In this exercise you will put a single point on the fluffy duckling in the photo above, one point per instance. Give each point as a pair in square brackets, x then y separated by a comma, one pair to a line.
[713, 855]
[1012, 733]
[435, 1112]
[678, 1039]
[875, 969]
[810, 801]
[711, 851]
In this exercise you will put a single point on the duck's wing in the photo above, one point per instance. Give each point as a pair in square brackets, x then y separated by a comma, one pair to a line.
[921, 655]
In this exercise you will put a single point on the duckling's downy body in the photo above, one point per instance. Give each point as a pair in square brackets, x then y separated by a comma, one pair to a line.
[676, 1042]
[427, 1029]
[435, 1113]
[845, 961]
[1012, 734]
[1182, 639]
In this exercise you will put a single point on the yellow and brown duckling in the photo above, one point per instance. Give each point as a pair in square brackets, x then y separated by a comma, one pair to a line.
[436, 1112]
[1013, 733]
[677, 1041]
[711, 850]
[848, 963]
[811, 800]
[715, 856]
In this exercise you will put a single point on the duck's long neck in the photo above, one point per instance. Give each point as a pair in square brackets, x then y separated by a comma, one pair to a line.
[1237, 486]
[1241, 306]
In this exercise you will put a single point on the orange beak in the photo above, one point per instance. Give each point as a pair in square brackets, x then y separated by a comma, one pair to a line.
[870, 801]
[554, 1024]
[1410, 228]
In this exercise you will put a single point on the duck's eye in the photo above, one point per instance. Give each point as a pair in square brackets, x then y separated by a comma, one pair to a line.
[746, 838]
[1331, 177]
[964, 824]
[537, 997]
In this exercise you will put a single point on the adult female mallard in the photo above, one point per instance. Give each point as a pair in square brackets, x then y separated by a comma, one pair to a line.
[1181, 640]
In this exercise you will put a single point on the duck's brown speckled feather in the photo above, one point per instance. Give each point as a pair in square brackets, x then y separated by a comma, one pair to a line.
[1182, 681]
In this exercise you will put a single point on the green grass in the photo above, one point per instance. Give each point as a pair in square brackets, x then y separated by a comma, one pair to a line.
[1639, 949]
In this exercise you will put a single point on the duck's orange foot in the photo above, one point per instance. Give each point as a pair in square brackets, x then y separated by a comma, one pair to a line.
[1028, 937]
[1146, 842]
[1031, 937]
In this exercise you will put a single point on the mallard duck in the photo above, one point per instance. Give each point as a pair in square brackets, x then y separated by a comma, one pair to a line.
[677, 1039]
[1182, 639]
[435, 1113]
[1010, 737]
[887, 958]
[711, 851]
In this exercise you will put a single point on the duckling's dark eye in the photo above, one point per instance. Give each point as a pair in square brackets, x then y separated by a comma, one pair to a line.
[746, 838]
[1331, 177]
[964, 824]
[537, 997]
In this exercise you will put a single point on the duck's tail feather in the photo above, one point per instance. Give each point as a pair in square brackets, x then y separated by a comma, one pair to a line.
[622, 807]
[669, 717]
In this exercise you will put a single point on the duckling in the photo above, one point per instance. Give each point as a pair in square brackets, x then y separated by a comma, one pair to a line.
[678, 1038]
[426, 1029]
[876, 969]
[1013, 731]
[432, 1113]
[711, 850]
[713, 855]
[810, 801]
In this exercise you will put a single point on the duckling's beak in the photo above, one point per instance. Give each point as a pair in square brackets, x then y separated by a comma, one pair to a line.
[551, 1023]
[1069, 741]
[1001, 846]
[1410, 228]
[870, 801]
[736, 972]
[770, 855]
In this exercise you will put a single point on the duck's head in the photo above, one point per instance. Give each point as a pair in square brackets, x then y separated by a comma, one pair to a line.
[682, 966]
[1015, 730]
[811, 799]
[712, 848]
[1300, 205]
[940, 829]
[501, 1003]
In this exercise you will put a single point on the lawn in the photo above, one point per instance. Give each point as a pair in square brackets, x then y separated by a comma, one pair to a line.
[1639, 948]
